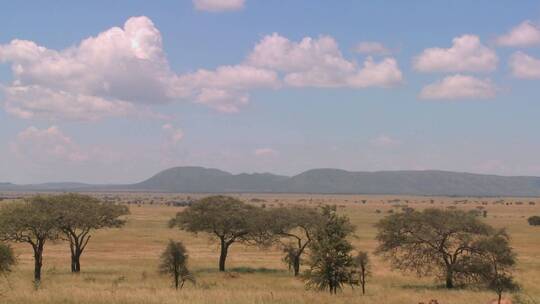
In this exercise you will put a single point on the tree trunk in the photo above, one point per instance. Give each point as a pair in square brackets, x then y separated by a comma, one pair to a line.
[363, 279]
[296, 265]
[37, 269]
[223, 255]
[73, 264]
[500, 298]
[176, 280]
[38, 262]
[77, 244]
[449, 279]
[76, 262]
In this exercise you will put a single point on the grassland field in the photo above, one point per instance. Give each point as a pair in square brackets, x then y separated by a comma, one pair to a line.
[120, 265]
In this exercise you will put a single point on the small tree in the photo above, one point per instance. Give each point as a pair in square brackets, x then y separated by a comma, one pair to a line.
[297, 224]
[534, 220]
[432, 241]
[79, 215]
[290, 256]
[228, 219]
[493, 262]
[330, 260]
[7, 258]
[362, 265]
[174, 263]
[34, 222]
[501, 283]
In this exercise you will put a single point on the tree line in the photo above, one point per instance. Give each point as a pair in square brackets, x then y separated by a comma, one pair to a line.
[68, 217]
[453, 245]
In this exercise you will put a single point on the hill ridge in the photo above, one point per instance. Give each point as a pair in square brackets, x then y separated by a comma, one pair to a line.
[319, 180]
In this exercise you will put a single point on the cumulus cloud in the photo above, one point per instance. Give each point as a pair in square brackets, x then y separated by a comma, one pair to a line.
[524, 66]
[218, 5]
[382, 74]
[265, 152]
[459, 87]
[467, 54]
[108, 74]
[47, 145]
[34, 100]
[385, 141]
[124, 70]
[524, 35]
[372, 48]
[225, 88]
[318, 62]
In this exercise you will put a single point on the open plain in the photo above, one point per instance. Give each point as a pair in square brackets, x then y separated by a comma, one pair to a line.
[120, 265]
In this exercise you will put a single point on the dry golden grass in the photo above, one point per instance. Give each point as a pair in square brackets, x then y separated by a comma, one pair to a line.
[120, 265]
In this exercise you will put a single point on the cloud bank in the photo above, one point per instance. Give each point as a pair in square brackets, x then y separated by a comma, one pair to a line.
[123, 70]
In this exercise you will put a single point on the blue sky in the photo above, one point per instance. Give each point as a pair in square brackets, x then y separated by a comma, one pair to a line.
[256, 86]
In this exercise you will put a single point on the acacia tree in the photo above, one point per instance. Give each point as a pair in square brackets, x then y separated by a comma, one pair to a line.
[362, 265]
[329, 259]
[432, 241]
[34, 222]
[297, 224]
[174, 263]
[493, 263]
[79, 215]
[226, 218]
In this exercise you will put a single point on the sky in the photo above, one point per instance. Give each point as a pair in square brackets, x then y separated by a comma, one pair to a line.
[115, 91]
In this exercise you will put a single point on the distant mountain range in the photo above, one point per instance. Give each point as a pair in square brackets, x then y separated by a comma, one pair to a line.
[331, 181]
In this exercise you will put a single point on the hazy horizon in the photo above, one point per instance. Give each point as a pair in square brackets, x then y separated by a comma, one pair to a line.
[100, 92]
[256, 172]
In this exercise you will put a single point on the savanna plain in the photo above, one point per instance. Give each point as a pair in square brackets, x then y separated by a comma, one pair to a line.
[120, 265]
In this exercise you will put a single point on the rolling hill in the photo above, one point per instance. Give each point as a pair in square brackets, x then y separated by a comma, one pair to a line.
[331, 181]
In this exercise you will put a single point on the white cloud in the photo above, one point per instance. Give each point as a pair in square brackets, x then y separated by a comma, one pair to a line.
[265, 152]
[101, 76]
[524, 66]
[47, 145]
[225, 89]
[277, 52]
[459, 87]
[121, 63]
[319, 63]
[222, 100]
[237, 77]
[523, 35]
[383, 74]
[123, 71]
[34, 100]
[467, 54]
[372, 48]
[218, 5]
[109, 74]
[385, 141]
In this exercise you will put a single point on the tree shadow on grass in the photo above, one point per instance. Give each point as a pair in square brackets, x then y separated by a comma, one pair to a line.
[427, 287]
[244, 270]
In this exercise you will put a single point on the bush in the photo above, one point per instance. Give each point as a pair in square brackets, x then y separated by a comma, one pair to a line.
[7, 258]
[534, 220]
[174, 263]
